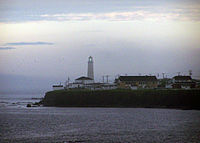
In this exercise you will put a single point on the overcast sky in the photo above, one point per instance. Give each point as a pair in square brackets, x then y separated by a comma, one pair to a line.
[44, 42]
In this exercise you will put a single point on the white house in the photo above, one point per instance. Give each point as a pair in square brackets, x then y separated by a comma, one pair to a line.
[75, 85]
[84, 80]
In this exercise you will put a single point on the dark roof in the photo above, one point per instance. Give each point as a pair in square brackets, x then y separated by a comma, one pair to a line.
[57, 85]
[138, 78]
[182, 77]
[95, 83]
[84, 78]
[184, 82]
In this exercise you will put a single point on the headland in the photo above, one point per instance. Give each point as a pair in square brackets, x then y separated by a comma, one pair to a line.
[144, 98]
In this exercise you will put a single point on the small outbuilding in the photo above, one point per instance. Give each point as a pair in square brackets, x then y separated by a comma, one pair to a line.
[58, 87]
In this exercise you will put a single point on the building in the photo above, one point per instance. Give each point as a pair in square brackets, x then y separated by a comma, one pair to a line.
[184, 82]
[165, 83]
[90, 72]
[84, 80]
[197, 82]
[136, 82]
[58, 87]
[80, 82]
[100, 86]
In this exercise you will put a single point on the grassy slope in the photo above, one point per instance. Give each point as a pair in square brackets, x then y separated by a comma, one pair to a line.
[124, 98]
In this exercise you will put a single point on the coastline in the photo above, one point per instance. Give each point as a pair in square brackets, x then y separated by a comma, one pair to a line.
[148, 98]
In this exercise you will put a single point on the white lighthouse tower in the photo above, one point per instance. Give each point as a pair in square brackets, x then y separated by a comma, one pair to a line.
[90, 73]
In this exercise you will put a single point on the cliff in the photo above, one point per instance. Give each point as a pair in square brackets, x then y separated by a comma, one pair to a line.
[186, 99]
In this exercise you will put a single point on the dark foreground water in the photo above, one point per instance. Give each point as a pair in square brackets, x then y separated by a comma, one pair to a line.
[90, 125]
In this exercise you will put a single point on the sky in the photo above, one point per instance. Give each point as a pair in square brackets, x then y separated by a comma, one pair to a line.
[45, 42]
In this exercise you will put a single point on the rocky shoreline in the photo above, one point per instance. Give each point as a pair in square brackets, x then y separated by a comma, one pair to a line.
[36, 104]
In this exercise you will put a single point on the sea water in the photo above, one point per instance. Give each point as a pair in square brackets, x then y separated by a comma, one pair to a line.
[19, 123]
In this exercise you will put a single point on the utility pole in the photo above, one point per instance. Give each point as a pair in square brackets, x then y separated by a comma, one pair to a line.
[190, 72]
[107, 78]
[103, 78]
[163, 75]
[67, 83]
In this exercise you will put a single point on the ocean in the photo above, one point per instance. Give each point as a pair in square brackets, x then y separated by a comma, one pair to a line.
[19, 123]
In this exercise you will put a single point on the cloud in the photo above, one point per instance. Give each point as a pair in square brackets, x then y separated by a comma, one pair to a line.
[97, 10]
[153, 14]
[7, 48]
[29, 43]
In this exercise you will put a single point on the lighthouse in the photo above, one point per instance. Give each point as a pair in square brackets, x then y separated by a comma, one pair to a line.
[90, 73]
